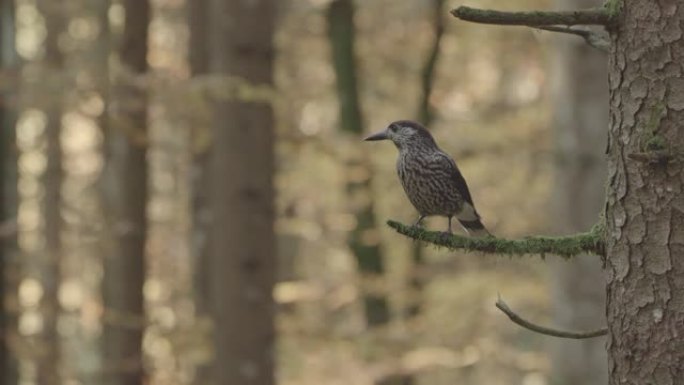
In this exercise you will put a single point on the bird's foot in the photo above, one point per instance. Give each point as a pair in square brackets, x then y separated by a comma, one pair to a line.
[419, 224]
[445, 235]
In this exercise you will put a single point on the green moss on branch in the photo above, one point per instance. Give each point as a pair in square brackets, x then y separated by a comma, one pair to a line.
[595, 16]
[566, 246]
[613, 7]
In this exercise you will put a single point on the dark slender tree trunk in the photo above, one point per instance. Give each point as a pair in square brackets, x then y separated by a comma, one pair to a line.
[6, 143]
[126, 194]
[580, 95]
[199, 57]
[8, 201]
[48, 358]
[241, 245]
[198, 19]
[426, 117]
[365, 248]
[645, 201]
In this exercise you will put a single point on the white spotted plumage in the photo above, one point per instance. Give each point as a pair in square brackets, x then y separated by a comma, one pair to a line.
[432, 181]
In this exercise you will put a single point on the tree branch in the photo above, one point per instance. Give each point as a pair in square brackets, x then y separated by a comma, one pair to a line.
[566, 246]
[501, 305]
[593, 16]
[596, 40]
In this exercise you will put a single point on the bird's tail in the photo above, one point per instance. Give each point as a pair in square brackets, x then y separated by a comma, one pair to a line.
[475, 228]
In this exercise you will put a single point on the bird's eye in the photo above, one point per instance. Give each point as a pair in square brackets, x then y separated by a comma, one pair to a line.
[393, 127]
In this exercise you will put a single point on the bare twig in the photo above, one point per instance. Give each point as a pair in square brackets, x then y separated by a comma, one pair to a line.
[594, 16]
[501, 305]
[594, 39]
[567, 246]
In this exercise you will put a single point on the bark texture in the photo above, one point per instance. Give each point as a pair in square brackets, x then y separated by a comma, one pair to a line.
[580, 95]
[126, 200]
[367, 252]
[645, 202]
[242, 241]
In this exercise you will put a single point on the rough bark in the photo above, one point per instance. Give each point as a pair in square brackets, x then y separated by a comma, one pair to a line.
[368, 253]
[53, 176]
[8, 202]
[125, 182]
[645, 201]
[241, 245]
[580, 118]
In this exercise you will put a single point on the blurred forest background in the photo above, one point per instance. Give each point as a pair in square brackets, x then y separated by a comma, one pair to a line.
[167, 164]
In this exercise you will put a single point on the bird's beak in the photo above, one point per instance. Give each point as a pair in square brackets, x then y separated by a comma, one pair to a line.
[382, 135]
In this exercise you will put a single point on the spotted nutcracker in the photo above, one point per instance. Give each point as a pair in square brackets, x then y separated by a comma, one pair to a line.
[430, 178]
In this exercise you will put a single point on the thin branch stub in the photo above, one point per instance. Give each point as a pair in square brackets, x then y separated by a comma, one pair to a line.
[594, 39]
[513, 316]
[652, 157]
[567, 246]
[594, 16]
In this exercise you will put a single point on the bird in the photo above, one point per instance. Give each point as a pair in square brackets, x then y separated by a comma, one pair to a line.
[431, 180]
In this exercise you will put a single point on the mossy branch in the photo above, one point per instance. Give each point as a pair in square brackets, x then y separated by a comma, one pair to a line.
[594, 16]
[567, 246]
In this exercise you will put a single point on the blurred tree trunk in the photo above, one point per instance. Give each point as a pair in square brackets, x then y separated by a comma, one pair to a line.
[198, 19]
[125, 181]
[580, 117]
[425, 116]
[199, 64]
[49, 356]
[363, 240]
[241, 244]
[8, 201]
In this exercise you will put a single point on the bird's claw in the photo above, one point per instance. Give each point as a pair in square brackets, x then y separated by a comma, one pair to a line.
[446, 235]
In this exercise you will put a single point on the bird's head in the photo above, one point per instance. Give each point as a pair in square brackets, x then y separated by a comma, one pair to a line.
[405, 134]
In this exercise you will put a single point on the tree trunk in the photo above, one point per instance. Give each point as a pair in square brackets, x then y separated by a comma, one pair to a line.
[365, 248]
[645, 201]
[580, 117]
[198, 18]
[198, 57]
[8, 271]
[8, 201]
[425, 116]
[125, 182]
[50, 269]
[242, 240]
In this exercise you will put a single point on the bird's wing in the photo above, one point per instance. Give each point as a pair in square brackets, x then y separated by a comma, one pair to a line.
[456, 176]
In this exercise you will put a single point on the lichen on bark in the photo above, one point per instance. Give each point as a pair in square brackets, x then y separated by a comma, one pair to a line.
[613, 7]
